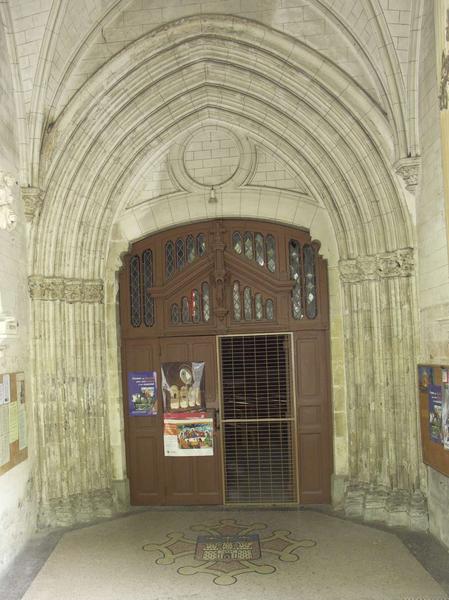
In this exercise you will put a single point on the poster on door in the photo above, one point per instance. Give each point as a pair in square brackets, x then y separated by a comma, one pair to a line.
[445, 415]
[142, 393]
[183, 386]
[188, 434]
[435, 414]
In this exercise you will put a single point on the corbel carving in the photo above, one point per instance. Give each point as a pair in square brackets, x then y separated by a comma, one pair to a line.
[408, 170]
[66, 290]
[8, 218]
[398, 263]
[33, 199]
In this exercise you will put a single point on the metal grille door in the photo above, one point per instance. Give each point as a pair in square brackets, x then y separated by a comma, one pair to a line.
[258, 423]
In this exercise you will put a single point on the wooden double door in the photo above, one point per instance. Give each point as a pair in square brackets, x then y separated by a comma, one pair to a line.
[184, 290]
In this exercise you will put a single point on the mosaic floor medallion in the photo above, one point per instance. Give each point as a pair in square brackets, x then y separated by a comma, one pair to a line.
[227, 549]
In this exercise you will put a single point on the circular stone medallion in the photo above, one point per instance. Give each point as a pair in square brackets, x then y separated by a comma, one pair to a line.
[211, 156]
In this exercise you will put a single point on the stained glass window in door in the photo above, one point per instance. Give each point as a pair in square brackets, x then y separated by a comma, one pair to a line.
[258, 303]
[190, 247]
[148, 301]
[249, 245]
[236, 301]
[174, 314]
[260, 249]
[180, 253]
[134, 291]
[196, 306]
[169, 259]
[248, 304]
[237, 242]
[269, 309]
[206, 301]
[294, 250]
[271, 253]
[201, 244]
[310, 282]
[185, 310]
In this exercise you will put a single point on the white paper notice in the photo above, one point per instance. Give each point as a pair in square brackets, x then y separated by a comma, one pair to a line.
[7, 388]
[23, 433]
[4, 435]
[2, 394]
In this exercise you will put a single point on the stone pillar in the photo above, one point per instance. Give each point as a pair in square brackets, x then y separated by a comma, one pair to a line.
[73, 470]
[383, 417]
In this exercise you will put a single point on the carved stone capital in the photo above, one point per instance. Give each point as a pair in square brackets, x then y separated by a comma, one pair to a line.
[66, 290]
[33, 199]
[399, 263]
[408, 170]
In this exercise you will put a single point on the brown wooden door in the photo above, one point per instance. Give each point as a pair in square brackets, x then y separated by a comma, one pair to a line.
[194, 480]
[181, 288]
[314, 416]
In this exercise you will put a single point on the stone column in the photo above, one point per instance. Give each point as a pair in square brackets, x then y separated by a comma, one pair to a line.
[73, 470]
[383, 417]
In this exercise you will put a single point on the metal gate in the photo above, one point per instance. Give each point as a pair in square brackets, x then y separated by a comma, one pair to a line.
[258, 422]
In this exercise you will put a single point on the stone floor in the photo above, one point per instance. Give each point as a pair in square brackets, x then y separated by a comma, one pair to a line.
[304, 555]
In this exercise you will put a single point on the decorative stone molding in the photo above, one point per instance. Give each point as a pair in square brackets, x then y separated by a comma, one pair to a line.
[394, 507]
[8, 218]
[399, 263]
[33, 199]
[408, 170]
[66, 290]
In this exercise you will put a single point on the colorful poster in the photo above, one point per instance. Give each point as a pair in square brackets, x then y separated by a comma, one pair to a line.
[425, 378]
[142, 393]
[445, 416]
[183, 386]
[435, 413]
[188, 434]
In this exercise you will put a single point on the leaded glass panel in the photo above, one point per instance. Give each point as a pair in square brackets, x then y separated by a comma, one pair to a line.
[191, 250]
[236, 301]
[174, 314]
[260, 249]
[148, 301]
[185, 310]
[247, 304]
[294, 250]
[271, 253]
[134, 291]
[180, 253]
[269, 309]
[237, 242]
[206, 302]
[169, 259]
[248, 245]
[201, 244]
[258, 302]
[310, 282]
[196, 306]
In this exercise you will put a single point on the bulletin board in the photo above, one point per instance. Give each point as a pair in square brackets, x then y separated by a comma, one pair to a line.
[13, 421]
[433, 383]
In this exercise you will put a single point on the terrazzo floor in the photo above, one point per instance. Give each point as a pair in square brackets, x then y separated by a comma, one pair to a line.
[304, 556]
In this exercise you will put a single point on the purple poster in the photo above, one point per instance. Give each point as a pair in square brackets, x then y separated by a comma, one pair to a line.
[142, 393]
[435, 414]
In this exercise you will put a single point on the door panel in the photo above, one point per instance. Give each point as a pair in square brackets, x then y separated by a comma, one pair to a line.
[194, 480]
[313, 404]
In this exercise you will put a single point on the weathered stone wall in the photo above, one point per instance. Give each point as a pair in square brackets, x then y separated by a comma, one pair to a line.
[432, 252]
[16, 486]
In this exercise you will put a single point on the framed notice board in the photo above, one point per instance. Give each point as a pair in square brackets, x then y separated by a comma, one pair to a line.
[433, 383]
[13, 421]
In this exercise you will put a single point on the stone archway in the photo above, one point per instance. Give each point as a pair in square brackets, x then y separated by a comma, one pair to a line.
[329, 132]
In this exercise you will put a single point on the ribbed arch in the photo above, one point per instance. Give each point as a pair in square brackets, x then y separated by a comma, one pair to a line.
[315, 117]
